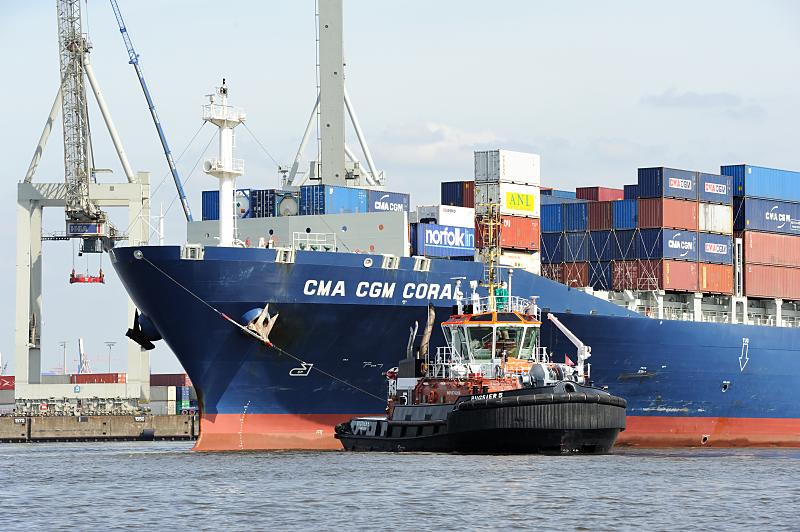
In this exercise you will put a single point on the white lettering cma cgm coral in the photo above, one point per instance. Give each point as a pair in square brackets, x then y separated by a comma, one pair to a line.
[379, 290]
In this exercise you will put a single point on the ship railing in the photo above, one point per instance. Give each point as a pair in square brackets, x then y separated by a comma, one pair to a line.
[503, 304]
[446, 364]
[215, 111]
[314, 241]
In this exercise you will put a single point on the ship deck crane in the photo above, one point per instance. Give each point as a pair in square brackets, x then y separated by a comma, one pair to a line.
[584, 351]
[134, 60]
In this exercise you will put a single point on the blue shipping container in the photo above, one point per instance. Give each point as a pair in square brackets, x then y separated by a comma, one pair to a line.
[262, 203]
[655, 244]
[600, 246]
[211, 205]
[381, 201]
[576, 247]
[554, 192]
[712, 188]
[715, 248]
[667, 183]
[552, 219]
[625, 214]
[327, 199]
[630, 192]
[552, 248]
[445, 241]
[600, 275]
[755, 214]
[576, 216]
[623, 245]
[761, 182]
[452, 193]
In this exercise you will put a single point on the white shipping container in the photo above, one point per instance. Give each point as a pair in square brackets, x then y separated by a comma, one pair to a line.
[714, 218]
[514, 200]
[445, 215]
[494, 166]
[525, 261]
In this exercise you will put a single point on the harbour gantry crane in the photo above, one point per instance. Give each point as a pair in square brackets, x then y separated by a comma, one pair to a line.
[83, 199]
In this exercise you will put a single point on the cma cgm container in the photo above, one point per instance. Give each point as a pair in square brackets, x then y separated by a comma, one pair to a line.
[458, 193]
[496, 166]
[600, 246]
[382, 201]
[715, 278]
[576, 247]
[444, 215]
[600, 275]
[712, 188]
[761, 182]
[601, 215]
[654, 244]
[514, 199]
[575, 274]
[670, 275]
[552, 218]
[715, 248]
[667, 212]
[516, 233]
[625, 214]
[630, 192]
[329, 199]
[434, 240]
[761, 280]
[754, 214]
[552, 248]
[576, 216]
[623, 244]
[771, 248]
[667, 183]
[714, 218]
[599, 193]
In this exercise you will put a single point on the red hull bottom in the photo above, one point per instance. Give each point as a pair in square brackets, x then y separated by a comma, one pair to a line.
[265, 432]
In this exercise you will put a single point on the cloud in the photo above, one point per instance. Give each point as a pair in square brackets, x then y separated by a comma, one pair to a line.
[731, 105]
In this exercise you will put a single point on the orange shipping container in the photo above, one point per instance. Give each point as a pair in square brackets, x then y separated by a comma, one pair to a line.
[516, 232]
[98, 378]
[601, 217]
[670, 275]
[575, 274]
[625, 275]
[771, 248]
[667, 212]
[554, 272]
[716, 278]
[170, 379]
[771, 281]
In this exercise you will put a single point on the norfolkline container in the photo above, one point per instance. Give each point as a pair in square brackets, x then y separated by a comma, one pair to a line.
[667, 183]
[761, 182]
[753, 214]
[599, 193]
[600, 246]
[575, 274]
[517, 233]
[576, 216]
[713, 218]
[667, 212]
[654, 244]
[601, 215]
[781, 282]
[625, 214]
[552, 218]
[576, 247]
[771, 249]
[623, 245]
[600, 275]
[715, 248]
[712, 188]
[715, 278]
[630, 192]
[671, 275]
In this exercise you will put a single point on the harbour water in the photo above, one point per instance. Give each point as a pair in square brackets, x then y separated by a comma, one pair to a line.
[165, 486]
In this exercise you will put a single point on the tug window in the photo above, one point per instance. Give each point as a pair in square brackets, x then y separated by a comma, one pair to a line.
[480, 342]
[508, 341]
[529, 343]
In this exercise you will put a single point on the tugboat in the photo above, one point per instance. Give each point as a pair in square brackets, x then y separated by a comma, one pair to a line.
[492, 389]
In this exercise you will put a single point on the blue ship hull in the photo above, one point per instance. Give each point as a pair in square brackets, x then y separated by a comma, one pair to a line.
[686, 383]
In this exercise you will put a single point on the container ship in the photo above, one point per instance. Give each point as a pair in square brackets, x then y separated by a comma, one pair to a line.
[286, 306]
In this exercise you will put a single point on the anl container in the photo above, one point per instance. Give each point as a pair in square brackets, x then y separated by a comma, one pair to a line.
[714, 218]
[328, 199]
[210, 210]
[600, 275]
[655, 244]
[552, 248]
[514, 199]
[667, 212]
[625, 214]
[771, 249]
[495, 166]
[715, 278]
[576, 216]
[761, 182]
[601, 215]
[667, 183]
[599, 193]
[382, 201]
[715, 248]
[576, 247]
[712, 188]
[754, 214]
[552, 218]
[458, 193]
[601, 246]
[623, 244]
[761, 280]
[630, 192]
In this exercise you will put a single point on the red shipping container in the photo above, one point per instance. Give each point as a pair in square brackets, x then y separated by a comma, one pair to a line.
[554, 272]
[170, 379]
[624, 275]
[516, 232]
[715, 278]
[601, 215]
[599, 193]
[575, 274]
[771, 281]
[771, 248]
[667, 212]
[670, 275]
[98, 378]
[7, 382]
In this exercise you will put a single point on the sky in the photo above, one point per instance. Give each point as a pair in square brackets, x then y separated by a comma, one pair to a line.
[597, 88]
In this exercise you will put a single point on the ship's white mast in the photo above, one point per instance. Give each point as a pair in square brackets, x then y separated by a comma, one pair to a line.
[225, 167]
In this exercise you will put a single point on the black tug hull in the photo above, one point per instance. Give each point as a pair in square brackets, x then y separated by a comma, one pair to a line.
[522, 424]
